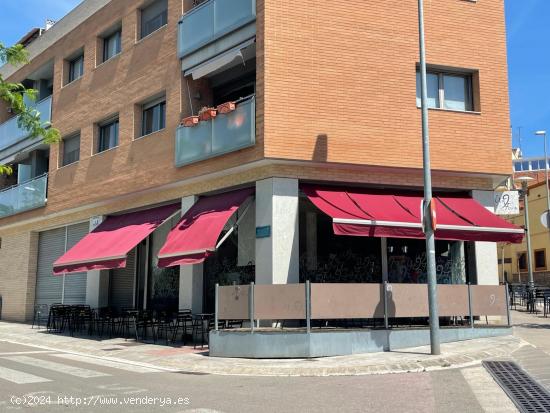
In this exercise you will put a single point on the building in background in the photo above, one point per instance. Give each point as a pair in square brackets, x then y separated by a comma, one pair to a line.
[288, 137]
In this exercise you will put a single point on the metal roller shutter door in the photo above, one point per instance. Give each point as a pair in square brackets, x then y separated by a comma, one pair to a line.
[121, 285]
[75, 284]
[51, 245]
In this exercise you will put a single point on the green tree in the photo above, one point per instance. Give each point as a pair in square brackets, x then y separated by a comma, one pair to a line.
[13, 95]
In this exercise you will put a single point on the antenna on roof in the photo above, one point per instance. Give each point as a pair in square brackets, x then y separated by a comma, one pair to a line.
[49, 24]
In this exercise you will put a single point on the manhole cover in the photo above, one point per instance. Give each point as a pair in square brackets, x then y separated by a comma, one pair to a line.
[525, 392]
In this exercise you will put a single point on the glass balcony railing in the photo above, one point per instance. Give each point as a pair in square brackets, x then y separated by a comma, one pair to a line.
[212, 20]
[24, 197]
[225, 133]
[10, 133]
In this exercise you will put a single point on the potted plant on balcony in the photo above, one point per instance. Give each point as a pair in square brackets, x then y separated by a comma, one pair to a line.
[226, 107]
[190, 121]
[206, 114]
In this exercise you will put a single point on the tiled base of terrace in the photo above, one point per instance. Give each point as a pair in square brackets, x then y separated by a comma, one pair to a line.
[298, 343]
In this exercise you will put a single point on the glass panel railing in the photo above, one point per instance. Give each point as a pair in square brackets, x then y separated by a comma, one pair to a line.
[10, 133]
[23, 197]
[212, 20]
[225, 133]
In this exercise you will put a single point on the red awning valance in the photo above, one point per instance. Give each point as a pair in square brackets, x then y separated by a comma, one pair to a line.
[196, 235]
[398, 215]
[107, 246]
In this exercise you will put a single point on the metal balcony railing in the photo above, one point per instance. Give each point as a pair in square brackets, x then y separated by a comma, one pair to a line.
[24, 197]
[11, 133]
[225, 133]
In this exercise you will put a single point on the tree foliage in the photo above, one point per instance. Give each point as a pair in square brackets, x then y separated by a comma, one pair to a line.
[15, 94]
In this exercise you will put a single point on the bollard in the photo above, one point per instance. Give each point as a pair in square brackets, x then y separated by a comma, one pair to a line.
[507, 304]
[386, 322]
[470, 306]
[216, 306]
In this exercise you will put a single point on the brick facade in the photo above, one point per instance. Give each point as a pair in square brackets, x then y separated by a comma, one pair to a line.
[335, 99]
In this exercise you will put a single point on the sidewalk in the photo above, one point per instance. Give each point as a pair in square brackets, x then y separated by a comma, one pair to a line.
[186, 360]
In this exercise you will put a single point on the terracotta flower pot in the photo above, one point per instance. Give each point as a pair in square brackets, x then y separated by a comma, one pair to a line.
[208, 114]
[190, 121]
[227, 107]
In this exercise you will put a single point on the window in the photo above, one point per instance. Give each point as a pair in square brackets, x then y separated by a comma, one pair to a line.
[525, 166]
[111, 45]
[154, 117]
[71, 150]
[517, 166]
[76, 68]
[447, 91]
[153, 17]
[522, 261]
[540, 259]
[108, 135]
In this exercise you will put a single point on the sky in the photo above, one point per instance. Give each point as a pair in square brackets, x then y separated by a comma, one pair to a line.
[528, 31]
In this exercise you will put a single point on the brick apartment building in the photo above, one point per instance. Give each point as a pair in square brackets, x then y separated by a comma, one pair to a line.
[316, 101]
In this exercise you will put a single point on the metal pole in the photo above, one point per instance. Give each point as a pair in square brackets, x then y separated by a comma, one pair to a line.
[251, 307]
[428, 225]
[507, 303]
[308, 306]
[216, 307]
[386, 321]
[529, 252]
[470, 306]
[547, 189]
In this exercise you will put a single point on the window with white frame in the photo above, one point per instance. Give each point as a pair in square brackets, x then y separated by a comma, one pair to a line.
[112, 45]
[447, 90]
[76, 68]
[71, 150]
[153, 116]
[153, 17]
[108, 135]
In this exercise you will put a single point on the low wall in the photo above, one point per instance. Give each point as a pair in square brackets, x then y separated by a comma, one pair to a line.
[324, 343]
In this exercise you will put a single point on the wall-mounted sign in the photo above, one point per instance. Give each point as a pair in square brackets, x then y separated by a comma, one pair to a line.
[545, 219]
[263, 232]
[507, 203]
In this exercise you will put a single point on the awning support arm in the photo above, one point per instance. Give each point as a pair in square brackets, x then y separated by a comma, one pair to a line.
[228, 233]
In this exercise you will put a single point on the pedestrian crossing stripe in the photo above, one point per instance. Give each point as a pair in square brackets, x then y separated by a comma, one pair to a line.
[20, 377]
[57, 367]
[108, 363]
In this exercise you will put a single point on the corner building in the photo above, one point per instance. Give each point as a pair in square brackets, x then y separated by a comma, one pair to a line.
[304, 106]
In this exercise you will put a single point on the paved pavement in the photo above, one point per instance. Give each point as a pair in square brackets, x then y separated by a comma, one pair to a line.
[114, 375]
[187, 359]
[55, 381]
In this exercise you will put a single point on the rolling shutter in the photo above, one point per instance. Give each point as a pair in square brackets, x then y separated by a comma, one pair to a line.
[121, 285]
[51, 245]
[75, 284]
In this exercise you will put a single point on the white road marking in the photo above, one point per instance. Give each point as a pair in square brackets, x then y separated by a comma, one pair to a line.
[16, 353]
[58, 367]
[20, 377]
[108, 363]
[488, 393]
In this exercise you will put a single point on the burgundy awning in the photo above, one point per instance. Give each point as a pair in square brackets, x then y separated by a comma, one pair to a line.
[398, 215]
[107, 246]
[196, 235]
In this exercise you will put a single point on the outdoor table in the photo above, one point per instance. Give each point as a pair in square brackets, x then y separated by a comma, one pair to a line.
[199, 321]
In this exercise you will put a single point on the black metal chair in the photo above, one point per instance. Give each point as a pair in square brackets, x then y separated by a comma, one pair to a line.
[41, 313]
[184, 321]
[163, 325]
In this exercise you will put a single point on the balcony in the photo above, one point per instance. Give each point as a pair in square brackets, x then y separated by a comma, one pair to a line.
[24, 197]
[215, 27]
[225, 133]
[11, 134]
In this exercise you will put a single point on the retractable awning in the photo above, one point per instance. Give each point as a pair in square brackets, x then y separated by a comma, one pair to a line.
[195, 237]
[107, 246]
[374, 213]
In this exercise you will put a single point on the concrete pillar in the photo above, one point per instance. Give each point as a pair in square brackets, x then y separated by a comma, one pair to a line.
[246, 236]
[384, 255]
[277, 255]
[311, 240]
[97, 282]
[486, 255]
[191, 276]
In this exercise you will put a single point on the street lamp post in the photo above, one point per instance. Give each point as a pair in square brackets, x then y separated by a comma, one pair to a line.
[427, 206]
[543, 134]
[525, 191]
